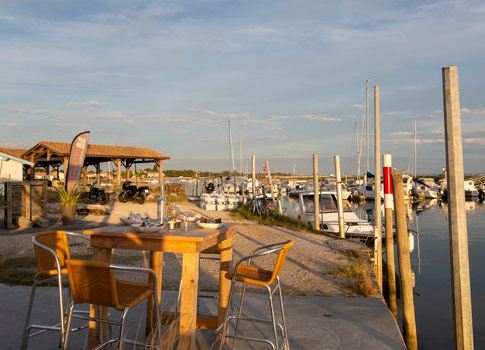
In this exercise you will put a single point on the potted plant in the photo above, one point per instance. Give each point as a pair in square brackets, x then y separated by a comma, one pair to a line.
[68, 200]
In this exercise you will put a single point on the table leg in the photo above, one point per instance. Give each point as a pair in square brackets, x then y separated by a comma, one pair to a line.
[101, 255]
[156, 264]
[224, 284]
[188, 303]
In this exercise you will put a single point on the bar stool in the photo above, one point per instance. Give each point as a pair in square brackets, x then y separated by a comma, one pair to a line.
[95, 283]
[51, 252]
[270, 280]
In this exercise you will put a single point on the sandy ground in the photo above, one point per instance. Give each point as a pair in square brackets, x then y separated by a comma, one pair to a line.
[305, 272]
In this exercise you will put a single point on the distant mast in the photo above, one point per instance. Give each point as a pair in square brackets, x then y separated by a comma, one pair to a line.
[415, 162]
[367, 128]
[231, 156]
[241, 170]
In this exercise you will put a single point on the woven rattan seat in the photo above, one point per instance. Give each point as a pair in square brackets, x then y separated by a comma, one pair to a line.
[95, 283]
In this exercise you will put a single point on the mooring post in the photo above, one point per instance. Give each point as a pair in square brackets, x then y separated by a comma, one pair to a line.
[460, 273]
[196, 184]
[273, 199]
[316, 192]
[409, 320]
[340, 207]
[253, 161]
[391, 265]
[377, 183]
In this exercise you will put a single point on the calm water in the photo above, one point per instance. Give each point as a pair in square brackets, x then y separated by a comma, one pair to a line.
[431, 264]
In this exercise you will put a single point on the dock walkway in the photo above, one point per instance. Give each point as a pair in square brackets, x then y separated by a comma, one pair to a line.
[324, 323]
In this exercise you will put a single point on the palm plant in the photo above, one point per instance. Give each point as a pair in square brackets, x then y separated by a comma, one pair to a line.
[68, 198]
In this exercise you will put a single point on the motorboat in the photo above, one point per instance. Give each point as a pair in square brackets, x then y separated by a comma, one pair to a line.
[354, 227]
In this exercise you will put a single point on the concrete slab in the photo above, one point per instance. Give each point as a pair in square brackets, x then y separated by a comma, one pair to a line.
[313, 322]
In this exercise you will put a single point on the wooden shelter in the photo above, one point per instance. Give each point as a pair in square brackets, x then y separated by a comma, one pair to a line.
[47, 154]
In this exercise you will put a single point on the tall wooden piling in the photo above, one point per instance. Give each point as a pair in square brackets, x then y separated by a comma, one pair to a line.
[460, 274]
[273, 197]
[253, 162]
[316, 192]
[377, 200]
[340, 207]
[409, 319]
[391, 265]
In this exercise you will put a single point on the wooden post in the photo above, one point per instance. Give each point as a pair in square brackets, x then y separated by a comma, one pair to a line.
[85, 175]
[391, 265]
[127, 170]
[377, 183]
[118, 172]
[316, 192]
[271, 186]
[340, 206]
[65, 161]
[196, 184]
[253, 160]
[460, 274]
[409, 320]
[98, 174]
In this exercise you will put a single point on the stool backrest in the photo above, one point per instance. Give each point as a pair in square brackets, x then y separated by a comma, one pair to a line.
[55, 240]
[280, 260]
[93, 283]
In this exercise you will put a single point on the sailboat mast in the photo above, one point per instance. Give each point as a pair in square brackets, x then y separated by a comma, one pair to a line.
[241, 170]
[231, 156]
[415, 150]
[367, 125]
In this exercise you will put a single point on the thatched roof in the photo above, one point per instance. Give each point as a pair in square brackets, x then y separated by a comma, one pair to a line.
[97, 151]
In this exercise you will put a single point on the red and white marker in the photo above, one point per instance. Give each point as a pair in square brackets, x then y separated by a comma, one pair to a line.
[388, 201]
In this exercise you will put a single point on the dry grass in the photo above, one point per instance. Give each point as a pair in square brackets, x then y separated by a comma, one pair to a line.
[359, 271]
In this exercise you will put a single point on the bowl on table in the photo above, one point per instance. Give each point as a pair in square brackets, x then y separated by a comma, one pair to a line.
[147, 229]
[209, 223]
[129, 220]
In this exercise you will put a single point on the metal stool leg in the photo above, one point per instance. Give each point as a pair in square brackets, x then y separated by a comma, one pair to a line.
[273, 319]
[68, 327]
[25, 336]
[285, 335]
[224, 325]
[62, 320]
[239, 313]
[122, 327]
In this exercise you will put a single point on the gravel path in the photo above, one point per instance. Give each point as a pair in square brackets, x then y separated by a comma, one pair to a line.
[305, 272]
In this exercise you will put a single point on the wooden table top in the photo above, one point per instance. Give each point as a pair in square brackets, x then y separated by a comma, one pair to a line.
[195, 236]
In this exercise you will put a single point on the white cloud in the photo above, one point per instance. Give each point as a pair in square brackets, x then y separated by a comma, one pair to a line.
[205, 111]
[206, 140]
[8, 124]
[25, 110]
[85, 103]
[357, 106]
[468, 111]
[474, 141]
[314, 117]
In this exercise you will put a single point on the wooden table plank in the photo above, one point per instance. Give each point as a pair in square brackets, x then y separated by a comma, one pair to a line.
[188, 300]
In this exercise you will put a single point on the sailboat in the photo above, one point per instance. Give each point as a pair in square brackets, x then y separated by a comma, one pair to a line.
[421, 189]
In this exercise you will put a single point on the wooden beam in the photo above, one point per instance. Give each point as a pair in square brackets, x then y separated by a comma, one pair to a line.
[460, 270]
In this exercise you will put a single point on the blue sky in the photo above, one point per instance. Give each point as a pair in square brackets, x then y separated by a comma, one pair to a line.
[291, 74]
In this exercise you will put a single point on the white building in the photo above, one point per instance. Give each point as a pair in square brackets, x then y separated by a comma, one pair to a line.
[11, 168]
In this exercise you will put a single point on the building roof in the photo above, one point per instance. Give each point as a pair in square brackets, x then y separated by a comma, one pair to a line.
[8, 157]
[99, 151]
[16, 152]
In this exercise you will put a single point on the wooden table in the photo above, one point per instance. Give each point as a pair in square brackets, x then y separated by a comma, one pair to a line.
[190, 243]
